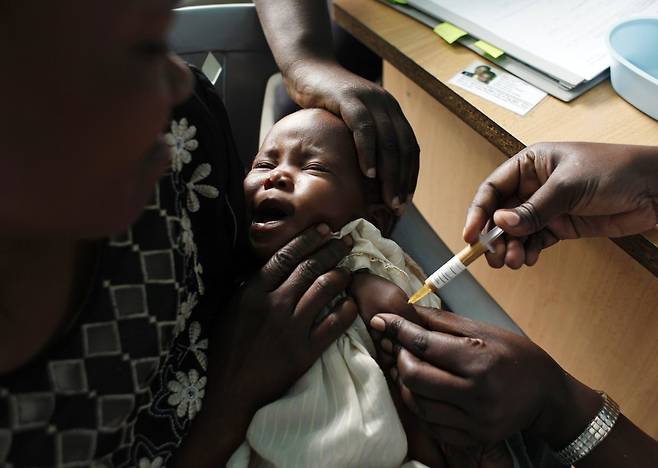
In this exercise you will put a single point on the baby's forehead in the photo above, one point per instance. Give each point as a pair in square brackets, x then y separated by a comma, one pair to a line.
[310, 131]
[313, 126]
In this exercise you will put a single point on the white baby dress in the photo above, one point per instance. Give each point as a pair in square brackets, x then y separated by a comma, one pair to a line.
[340, 412]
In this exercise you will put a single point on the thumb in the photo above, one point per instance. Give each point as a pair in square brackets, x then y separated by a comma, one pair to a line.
[548, 202]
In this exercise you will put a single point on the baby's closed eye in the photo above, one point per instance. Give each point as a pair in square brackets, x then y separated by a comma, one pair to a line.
[317, 167]
[263, 164]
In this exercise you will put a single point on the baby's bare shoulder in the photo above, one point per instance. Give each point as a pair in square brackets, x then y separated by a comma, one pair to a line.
[375, 295]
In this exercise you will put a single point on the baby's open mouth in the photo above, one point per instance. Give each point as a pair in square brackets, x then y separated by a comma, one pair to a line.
[272, 210]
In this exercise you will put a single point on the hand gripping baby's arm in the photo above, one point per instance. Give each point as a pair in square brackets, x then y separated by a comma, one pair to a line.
[375, 295]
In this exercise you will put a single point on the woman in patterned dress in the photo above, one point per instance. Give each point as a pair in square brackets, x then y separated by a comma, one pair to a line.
[122, 339]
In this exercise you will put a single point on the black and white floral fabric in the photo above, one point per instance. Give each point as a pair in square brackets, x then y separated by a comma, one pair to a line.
[123, 385]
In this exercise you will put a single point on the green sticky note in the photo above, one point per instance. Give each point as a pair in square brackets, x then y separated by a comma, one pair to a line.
[488, 49]
[449, 32]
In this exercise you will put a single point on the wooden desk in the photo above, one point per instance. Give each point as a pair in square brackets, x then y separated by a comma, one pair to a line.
[589, 303]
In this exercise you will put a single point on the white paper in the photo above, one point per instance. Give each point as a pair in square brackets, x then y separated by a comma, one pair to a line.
[499, 87]
[564, 38]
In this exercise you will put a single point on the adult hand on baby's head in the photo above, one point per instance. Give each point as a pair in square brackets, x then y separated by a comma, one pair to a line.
[385, 142]
[554, 191]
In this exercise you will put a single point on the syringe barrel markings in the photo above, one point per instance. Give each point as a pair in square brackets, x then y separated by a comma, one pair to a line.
[447, 272]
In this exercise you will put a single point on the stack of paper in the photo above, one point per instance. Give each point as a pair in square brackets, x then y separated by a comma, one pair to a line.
[565, 39]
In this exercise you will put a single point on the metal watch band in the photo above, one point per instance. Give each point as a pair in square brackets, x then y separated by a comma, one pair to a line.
[594, 433]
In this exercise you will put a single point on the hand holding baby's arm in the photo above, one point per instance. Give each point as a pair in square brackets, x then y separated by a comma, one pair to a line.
[375, 295]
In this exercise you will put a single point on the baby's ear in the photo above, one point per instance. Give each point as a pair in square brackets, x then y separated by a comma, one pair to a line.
[381, 216]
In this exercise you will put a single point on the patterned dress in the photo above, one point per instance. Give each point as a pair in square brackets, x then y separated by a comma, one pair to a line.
[122, 385]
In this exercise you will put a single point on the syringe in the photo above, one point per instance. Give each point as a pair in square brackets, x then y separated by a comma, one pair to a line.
[457, 264]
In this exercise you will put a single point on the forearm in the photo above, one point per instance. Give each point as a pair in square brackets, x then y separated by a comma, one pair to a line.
[647, 157]
[625, 445]
[628, 164]
[297, 31]
[641, 169]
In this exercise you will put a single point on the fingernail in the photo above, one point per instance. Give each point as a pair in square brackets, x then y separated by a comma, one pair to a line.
[394, 374]
[395, 203]
[371, 173]
[378, 324]
[510, 218]
[387, 345]
[348, 240]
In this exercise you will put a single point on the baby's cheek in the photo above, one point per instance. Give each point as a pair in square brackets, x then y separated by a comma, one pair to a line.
[341, 210]
[248, 182]
[250, 185]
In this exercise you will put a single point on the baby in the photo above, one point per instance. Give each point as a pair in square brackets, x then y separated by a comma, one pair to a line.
[341, 412]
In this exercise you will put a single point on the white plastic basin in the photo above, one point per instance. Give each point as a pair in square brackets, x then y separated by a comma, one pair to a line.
[633, 45]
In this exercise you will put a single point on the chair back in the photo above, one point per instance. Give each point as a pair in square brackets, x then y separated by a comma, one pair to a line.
[232, 35]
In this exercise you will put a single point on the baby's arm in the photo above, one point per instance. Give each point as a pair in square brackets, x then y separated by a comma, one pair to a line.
[375, 295]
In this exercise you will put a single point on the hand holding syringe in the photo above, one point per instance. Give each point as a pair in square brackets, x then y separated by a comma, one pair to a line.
[457, 264]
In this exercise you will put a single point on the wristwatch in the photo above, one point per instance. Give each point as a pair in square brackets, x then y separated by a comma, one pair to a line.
[594, 433]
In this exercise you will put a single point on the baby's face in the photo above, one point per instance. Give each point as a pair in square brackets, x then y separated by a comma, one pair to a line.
[305, 173]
